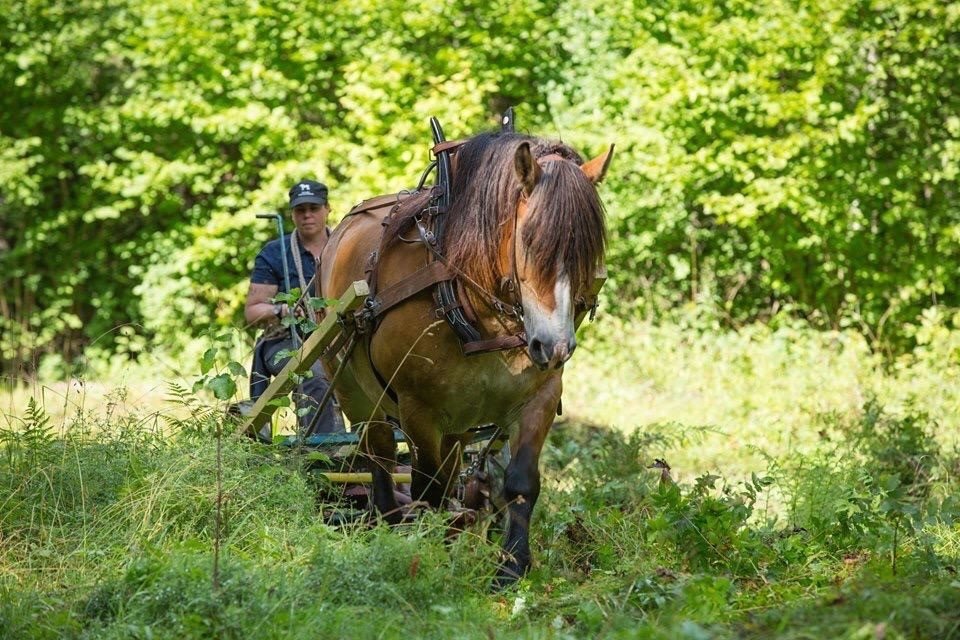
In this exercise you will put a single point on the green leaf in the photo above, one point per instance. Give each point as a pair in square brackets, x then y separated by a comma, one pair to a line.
[237, 369]
[209, 357]
[291, 297]
[282, 355]
[223, 386]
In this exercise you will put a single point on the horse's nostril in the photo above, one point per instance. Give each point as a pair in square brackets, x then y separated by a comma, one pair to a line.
[561, 353]
[538, 351]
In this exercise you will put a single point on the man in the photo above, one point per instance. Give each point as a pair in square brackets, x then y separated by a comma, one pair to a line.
[308, 204]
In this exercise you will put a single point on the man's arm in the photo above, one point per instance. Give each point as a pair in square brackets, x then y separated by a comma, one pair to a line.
[259, 309]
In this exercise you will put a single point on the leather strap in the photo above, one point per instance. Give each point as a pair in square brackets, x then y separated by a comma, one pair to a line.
[307, 293]
[494, 344]
[411, 285]
[448, 145]
[371, 204]
[464, 300]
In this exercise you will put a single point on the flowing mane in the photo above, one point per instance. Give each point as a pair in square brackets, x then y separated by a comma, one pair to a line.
[566, 226]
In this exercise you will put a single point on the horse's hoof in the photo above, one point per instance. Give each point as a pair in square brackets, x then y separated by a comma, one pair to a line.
[508, 575]
[503, 582]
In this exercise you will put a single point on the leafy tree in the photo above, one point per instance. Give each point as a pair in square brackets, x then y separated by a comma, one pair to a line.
[777, 156]
[770, 157]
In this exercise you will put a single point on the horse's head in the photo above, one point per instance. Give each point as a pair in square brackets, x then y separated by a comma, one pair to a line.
[526, 224]
[557, 247]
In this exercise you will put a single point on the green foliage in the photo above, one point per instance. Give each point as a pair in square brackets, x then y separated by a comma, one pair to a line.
[769, 157]
[138, 140]
[300, 318]
[874, 483]
[779, 156]
[108, 529]
[223, 383]
[710, 529]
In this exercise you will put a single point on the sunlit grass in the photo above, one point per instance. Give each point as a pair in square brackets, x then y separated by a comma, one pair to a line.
[754, 392]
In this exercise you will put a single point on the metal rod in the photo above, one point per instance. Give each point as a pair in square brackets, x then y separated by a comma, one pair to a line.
[286, 269]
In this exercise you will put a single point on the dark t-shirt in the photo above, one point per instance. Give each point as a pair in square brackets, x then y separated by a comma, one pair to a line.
[268, 266]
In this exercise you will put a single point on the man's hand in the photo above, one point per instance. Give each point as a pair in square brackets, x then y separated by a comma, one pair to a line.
[259, 308]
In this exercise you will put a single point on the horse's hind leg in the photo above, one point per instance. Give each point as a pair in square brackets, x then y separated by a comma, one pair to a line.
[522, 480]
[381, 450]
[436, 466]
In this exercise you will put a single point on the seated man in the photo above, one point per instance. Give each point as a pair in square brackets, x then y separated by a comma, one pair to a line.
[308, 204]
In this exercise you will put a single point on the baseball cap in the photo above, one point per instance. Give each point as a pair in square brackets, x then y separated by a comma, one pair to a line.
[308, 191]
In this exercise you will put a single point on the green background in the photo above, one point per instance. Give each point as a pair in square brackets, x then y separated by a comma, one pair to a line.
[775, 159]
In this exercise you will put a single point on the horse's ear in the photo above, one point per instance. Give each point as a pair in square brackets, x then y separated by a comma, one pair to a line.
[596, 169]
[528, 169]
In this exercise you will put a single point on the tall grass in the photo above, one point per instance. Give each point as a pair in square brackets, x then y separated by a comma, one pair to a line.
[812, 492]
[760, 391]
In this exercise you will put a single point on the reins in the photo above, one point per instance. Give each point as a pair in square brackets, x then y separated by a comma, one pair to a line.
[298, 263]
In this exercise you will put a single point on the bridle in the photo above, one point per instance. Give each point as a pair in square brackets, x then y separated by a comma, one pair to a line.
[506, 312]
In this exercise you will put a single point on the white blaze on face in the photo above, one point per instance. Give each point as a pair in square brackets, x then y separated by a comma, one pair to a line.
[550, 331]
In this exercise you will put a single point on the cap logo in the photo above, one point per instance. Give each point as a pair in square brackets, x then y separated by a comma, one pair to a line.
[305, 188]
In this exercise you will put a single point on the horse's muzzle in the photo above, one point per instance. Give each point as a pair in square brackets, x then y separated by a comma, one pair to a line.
[550, 354]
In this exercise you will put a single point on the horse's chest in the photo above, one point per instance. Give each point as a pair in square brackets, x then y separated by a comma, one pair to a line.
[434, 380]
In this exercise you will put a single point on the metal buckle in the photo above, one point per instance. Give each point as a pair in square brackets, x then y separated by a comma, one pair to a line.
[426, 234]
[509, 310]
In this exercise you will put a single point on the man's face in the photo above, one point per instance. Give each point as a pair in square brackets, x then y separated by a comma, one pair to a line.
[309, 217]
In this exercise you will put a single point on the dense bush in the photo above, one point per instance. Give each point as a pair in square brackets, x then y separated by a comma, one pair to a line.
[770, 157]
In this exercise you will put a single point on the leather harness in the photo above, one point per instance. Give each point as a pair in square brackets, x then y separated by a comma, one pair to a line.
[447, 280]
[438, 273]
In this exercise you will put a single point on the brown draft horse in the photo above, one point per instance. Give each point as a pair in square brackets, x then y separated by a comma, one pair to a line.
[525, 222]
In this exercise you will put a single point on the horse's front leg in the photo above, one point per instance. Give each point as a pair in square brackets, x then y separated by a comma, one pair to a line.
[522, 481]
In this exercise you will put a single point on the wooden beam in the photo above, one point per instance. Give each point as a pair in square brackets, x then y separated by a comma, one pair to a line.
[363, 477]
[300, 362]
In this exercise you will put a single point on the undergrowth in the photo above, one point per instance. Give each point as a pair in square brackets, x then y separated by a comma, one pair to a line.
[108, 528]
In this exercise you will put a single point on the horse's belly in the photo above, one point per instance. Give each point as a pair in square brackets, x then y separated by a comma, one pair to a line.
[455, 393]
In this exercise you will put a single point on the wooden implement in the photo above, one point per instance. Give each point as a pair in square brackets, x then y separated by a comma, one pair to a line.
[360, 477]
[300, 362]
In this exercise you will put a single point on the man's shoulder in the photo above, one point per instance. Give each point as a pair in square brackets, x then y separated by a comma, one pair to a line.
[272, 248]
